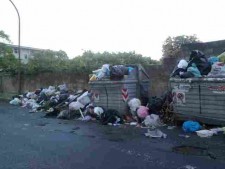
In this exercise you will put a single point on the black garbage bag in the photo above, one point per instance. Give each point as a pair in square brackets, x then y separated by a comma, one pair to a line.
[63, 97]
[201, 62]
[118, 71]
[187, 75]
[177, 72]
[156, 103]
[110, 116]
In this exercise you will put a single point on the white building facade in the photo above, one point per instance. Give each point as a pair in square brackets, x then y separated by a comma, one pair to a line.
[26, 53]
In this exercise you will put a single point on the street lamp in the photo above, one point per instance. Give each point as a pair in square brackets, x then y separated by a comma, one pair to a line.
[19, 71]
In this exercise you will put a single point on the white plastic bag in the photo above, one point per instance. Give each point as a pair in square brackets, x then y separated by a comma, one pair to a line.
[75, 106]
[182, 64]
[98, 110]
[63, 87]
[15, 102]
[152, 120]
[134, 104]
[155, 134]
[204, 133]
[31, 95]
[71, 97]
[84, 98]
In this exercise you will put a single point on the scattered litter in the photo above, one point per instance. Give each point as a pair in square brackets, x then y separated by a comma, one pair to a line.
[98, 111]
[142, 112]
[191, 126]
[64, 115]
[86, 118]
[223, 128]
[152, 120]
[75, 106]
[15, 101]
[187, 167]
[155, 134]
[184, 135]
[205, 133]
[133, 123]
[171, 127]
[216, 130]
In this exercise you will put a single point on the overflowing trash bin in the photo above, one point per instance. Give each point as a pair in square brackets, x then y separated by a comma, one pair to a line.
[114, 92]
[199, 93]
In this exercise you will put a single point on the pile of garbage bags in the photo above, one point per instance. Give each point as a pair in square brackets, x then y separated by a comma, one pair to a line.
[199, 65]
[60, 102]
[115, 72]
[52, 100]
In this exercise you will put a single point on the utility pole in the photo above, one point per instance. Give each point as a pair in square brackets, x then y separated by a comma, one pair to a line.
[19, 70]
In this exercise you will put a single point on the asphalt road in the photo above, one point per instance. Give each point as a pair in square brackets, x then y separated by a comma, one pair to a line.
[29, 141]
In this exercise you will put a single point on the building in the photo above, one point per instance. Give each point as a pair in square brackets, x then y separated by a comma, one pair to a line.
[26, 53]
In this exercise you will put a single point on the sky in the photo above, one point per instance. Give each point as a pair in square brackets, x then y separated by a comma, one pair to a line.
[111, 25]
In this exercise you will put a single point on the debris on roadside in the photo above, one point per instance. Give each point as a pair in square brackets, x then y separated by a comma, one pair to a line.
[62, 103]
[191, 126]
[155, 134]
[184, 135]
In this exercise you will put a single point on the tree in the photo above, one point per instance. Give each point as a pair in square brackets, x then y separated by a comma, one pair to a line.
[4, 37]
[90, 61]
[8, 62]
[48, 60]
[172, 45]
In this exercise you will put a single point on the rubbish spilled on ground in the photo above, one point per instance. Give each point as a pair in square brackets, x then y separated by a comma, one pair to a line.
[205, 133]
[171, 127]
[155, 134]
[62, 103]
[133, 123]
[191, 126]
[184, 135]
[187, 167]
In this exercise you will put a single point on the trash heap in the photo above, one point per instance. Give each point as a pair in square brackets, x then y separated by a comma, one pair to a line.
[199, 65]
[114, 72]
[54, 101]
[60, 102]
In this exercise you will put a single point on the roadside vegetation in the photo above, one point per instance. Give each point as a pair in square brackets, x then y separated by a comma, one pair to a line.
[58, 61]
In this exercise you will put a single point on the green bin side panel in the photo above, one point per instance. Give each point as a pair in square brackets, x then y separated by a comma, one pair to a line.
[189, 103]
[110, 96]
[204, 99]
[213, 100]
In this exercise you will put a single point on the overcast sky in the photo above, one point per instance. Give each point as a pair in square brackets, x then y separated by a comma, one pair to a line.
[111, 25]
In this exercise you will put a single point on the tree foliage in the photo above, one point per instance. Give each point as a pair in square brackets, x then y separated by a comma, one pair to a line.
[58, 61]
[47, 60]
[86, 63]
[8, 62]
[172, 45]
[90, 61]
[4, 38]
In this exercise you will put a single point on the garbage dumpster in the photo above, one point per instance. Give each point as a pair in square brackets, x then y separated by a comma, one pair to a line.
[114, 94]
[202, 99]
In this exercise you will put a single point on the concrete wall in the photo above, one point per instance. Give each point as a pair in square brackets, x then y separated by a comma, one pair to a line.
[208, 48]
[9, 84]
[159, 76]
